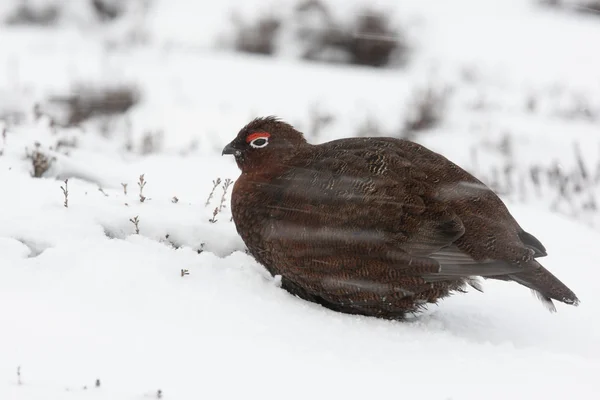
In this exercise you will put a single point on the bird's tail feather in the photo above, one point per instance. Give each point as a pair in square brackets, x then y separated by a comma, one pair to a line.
[544, 284]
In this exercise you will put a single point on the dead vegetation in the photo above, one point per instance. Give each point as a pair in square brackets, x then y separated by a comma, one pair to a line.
[579, 108]
[65, 190]
[426, 111]
[136, 223]
[141, 184]
[571, 191]
[258, 37]
[107, 10]
[370, 39]
[225, 188]
[216, 183]
[226, 184]
[49, 14]
[589, 7]
[40, 161]
[152, 142]
[87, 101]
[27, 13]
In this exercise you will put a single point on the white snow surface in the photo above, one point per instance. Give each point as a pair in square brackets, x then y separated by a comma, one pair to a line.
[85, 298]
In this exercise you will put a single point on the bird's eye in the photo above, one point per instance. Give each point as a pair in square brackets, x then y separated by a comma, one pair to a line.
[259, 143]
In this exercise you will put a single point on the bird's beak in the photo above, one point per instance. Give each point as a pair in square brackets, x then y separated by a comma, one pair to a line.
[229, 149]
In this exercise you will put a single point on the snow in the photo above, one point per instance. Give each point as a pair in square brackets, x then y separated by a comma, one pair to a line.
[181, 308]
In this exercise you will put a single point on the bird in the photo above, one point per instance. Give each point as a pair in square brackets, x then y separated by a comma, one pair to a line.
[375, 226]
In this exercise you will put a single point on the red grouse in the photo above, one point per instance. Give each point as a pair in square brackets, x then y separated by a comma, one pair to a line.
[375, 226]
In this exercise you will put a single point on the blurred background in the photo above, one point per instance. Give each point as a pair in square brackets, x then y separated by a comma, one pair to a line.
[509, 89]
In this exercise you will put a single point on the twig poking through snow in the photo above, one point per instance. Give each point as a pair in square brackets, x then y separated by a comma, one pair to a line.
[103, 192]
[135, 221]
[226, 185]
[65, 190]
[175, 200]
[214, 217]
[159, 394]
[97, 383]
[19, 382]
[212, 192]
[184, 272]
[141, 184]
[124, 188]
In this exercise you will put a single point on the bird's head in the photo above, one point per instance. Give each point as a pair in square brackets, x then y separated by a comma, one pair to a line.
[263, 143]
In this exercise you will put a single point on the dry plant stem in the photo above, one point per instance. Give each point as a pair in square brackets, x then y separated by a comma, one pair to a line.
[135, 221]
[141, 184]
[124, 188]
[215, 184]
[226, 186]
[214, 217]
[65, 190]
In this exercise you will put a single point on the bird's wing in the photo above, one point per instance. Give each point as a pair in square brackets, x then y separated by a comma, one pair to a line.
[366, 197]
[373, 205]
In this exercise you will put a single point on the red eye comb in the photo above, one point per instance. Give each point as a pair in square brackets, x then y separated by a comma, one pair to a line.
[257, 135]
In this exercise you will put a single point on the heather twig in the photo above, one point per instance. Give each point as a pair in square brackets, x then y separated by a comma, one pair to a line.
[226, 186]
[212, 192]
[135, 221]
[214, 217]
[65, 190]
[141, 183]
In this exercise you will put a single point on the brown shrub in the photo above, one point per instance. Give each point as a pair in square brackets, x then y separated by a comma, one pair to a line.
[87, 102]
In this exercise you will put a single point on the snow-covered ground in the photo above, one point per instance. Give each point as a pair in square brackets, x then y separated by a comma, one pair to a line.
[182, 309]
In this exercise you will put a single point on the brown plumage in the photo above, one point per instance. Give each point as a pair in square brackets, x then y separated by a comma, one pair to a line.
[375, 226]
